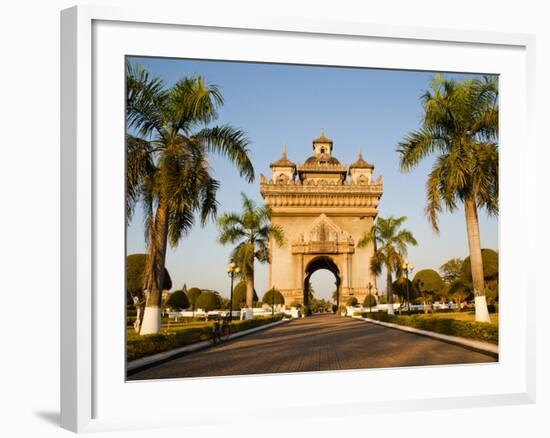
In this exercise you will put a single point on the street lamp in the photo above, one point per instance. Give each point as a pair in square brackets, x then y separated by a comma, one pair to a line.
[232, 269]
[407, 267]
[369, 287]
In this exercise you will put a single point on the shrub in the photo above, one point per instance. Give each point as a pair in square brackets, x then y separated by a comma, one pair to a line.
[370, 301]
[351, 301]
[239, 326]
[342, 310]
[151, 344]
[484, 331]
[273, 296]
[492, 308]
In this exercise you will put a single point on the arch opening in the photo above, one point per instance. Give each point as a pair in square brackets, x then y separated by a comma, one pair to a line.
[321, 263]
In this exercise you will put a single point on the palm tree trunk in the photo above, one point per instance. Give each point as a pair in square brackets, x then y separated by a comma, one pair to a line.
[140, 308]
[389, 291]
[154, 271]
[474, 244]
[250, 289]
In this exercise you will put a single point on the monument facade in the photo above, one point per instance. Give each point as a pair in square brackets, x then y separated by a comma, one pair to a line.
[324, 208]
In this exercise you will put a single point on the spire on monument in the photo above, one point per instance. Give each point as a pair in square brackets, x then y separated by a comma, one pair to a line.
[361, 163]
[322, 138]
[283, 161]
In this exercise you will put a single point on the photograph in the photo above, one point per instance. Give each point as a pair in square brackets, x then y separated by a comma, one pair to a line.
[289, 218]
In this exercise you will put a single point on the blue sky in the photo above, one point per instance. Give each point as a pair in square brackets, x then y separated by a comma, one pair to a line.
[287, 104]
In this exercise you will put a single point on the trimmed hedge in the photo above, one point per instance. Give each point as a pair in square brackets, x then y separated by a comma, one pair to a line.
[483, 331]
[156, 343]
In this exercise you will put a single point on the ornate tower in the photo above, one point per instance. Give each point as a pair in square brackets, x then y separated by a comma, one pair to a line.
[324, 207]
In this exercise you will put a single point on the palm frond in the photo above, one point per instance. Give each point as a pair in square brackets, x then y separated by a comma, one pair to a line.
[460, 122]
[231, 143]
[145, 101]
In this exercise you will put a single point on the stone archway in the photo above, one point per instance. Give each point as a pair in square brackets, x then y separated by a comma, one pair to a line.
[317, 263]
[324, 207]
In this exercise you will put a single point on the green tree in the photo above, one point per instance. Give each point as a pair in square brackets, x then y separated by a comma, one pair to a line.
[490, 274]
[351, 301]
[429, 284]
[390, 243]
[239, 295]
[224, 303]
[460, 125]
[209, 301]
[309, 293]
[192, 295]
[177, 300]
[135, 284]
[399, 288]
[169, 139]
[273, 296]
[451, 270]
[460, 291]
[490, 266]
[252, 231]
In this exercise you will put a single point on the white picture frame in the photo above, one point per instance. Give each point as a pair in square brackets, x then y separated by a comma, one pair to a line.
[91, 388]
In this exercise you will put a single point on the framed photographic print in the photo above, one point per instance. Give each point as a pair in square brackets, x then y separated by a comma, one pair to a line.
[291, 205]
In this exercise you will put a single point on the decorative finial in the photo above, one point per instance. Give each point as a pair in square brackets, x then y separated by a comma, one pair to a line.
[284, 150]
[360, 153]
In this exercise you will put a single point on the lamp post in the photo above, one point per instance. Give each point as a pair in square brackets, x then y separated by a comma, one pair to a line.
[232, 269]
[369, 287]
[407, 267]
[272, 304]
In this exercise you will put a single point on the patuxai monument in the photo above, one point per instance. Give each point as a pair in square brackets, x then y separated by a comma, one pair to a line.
[324, 207]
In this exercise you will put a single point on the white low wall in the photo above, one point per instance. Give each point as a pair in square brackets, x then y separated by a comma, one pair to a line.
[240, 314]
[201, 313]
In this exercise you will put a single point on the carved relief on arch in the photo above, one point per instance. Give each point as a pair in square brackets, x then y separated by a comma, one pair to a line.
[324, 230]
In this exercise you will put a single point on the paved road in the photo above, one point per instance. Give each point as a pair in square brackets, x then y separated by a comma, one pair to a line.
[317, 343]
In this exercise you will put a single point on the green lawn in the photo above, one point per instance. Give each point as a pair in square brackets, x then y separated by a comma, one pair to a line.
[171, 327]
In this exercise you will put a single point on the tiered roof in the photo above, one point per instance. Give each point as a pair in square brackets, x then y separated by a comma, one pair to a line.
[283, 161]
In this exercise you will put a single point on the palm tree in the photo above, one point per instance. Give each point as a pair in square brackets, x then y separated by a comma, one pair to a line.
[253, 231]
[168, 141]
[309, 293]
[460, 125]
[390, 243]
